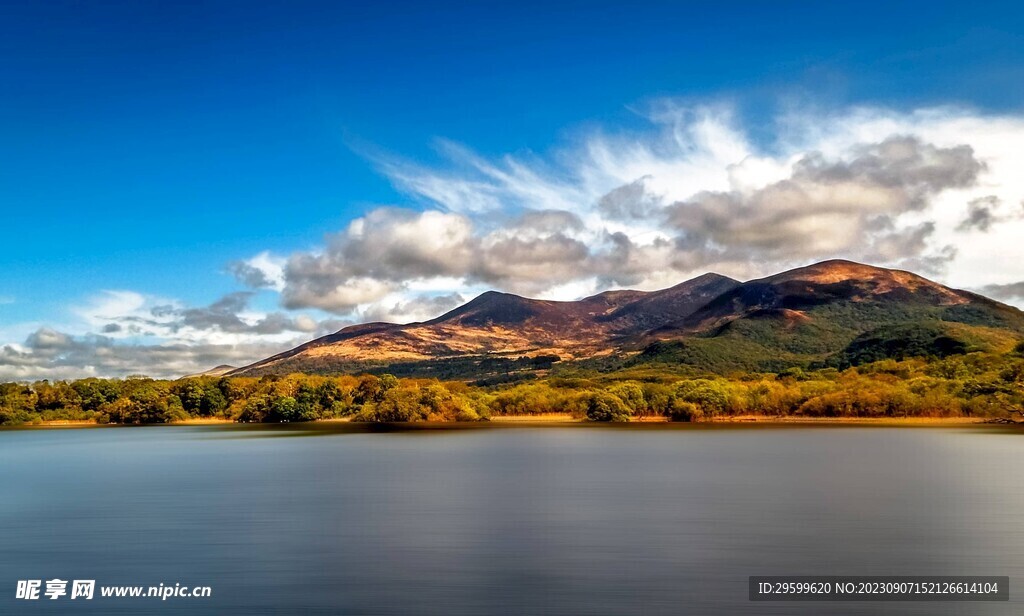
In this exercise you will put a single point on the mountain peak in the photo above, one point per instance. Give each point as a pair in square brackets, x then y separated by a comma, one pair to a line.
[837, 270]
[705, 279]
[491, 307]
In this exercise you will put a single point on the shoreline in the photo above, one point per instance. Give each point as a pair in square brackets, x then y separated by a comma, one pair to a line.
[565, 419]
[765, 420]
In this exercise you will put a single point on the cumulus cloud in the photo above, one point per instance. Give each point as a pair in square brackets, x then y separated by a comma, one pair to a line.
[829, 207]
[375, 255]
[380, 253]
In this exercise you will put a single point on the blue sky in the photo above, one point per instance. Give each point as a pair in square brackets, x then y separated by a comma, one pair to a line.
[148, 146]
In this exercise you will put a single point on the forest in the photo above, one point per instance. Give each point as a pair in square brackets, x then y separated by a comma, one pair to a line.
[985, 385]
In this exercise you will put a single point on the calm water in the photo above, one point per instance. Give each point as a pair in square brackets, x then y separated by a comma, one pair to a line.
[505, 521]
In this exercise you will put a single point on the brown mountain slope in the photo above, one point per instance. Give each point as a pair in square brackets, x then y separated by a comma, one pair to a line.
[506, 324]
[800, 317]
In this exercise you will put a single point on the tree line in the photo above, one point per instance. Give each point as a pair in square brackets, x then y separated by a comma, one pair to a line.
[976, 385]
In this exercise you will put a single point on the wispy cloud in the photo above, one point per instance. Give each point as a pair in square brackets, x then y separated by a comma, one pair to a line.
[693, 192]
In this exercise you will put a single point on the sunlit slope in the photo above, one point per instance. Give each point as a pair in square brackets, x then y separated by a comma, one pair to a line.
[835, 313]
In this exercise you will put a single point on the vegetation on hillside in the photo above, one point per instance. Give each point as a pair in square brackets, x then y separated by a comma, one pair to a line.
[949, 382]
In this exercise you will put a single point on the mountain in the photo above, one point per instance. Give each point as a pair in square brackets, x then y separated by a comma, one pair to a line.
[835, 313]
[220, 370]
[502, 324]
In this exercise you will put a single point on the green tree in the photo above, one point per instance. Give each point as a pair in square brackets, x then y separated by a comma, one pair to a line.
[711, 396]
[94, 392]
[282, 409]
[371, 389]
[632, 395]
[603, 406]
[397, 405]
[256, 409]
[175, 411]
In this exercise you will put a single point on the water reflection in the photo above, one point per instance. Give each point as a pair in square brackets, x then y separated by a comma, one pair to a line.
[505, 520]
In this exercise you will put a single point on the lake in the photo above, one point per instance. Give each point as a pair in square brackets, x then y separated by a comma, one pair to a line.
[504, 520]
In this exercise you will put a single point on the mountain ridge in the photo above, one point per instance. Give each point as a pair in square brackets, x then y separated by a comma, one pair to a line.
[803, 315]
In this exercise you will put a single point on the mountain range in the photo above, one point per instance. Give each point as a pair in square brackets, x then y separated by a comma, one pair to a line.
[835, 313]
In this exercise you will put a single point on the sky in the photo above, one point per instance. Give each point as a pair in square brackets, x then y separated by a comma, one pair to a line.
[185, 185]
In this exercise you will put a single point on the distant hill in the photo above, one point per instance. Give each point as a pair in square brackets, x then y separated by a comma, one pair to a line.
[832, 313]
[220, 370]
